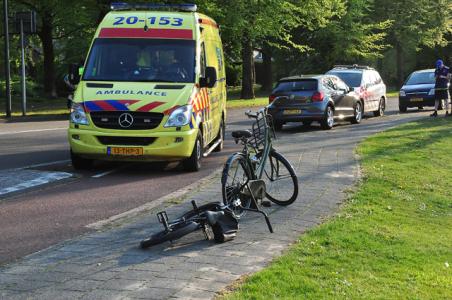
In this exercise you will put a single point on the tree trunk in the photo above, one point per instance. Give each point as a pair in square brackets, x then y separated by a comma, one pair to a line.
[399, 64]
[247, 70]
[46, 35]
[267, 82]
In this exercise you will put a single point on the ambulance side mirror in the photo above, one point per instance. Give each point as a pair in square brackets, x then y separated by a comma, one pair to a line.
[210, 79]
[74, 74]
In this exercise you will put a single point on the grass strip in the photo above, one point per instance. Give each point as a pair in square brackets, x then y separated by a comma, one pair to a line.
[392, 238]
[241, 103]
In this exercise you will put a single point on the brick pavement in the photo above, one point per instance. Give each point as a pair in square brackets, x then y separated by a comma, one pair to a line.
[108, 264]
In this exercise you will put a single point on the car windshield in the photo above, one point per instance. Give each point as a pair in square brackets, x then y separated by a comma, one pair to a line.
[146, 60]
[296, 86]
[352, 79]
[421, 78]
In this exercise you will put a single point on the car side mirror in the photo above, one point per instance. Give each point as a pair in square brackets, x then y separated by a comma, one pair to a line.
[74, 73]
[210, 79]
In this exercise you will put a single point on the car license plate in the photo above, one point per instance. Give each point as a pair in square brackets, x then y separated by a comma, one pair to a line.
[292, 112]
[125, 151]
[416, 99]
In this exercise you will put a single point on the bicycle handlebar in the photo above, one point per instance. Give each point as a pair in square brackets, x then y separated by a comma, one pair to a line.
[249, 114]
[255, 115]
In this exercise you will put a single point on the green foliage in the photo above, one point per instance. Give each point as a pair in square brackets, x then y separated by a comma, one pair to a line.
[303, 36]
[390, 241]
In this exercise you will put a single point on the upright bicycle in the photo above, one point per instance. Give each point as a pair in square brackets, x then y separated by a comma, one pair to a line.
[258, 171]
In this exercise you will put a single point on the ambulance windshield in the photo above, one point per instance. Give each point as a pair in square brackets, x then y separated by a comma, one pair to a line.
[141, 60]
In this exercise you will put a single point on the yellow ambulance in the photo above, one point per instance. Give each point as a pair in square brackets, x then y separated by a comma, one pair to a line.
[153, 88]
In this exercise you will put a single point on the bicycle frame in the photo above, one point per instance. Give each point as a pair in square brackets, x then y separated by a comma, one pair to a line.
[259, 170]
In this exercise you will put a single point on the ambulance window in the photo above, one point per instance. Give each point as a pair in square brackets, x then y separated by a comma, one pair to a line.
[141, 60]
[203, 60]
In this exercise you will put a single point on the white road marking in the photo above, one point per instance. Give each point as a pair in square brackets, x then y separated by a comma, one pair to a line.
[29, 131]
[46, 164]
[105, 173]
[42, 178]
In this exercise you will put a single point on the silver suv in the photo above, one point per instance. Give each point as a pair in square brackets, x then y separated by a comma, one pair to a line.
[367, 83]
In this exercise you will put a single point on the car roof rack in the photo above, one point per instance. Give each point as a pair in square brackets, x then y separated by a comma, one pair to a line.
[355, 66]
[121, 6]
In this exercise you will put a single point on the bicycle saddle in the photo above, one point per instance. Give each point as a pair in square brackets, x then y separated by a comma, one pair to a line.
[241, 134]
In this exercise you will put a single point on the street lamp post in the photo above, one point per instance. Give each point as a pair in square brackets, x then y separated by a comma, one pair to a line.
[7, 66]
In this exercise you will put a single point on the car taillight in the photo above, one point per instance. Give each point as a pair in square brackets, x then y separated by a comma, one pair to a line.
[271, 98]
[317, 97]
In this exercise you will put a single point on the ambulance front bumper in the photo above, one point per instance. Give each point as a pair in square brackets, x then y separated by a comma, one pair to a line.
[155, 146]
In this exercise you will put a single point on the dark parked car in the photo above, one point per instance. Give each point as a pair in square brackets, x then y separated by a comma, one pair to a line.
[321, 98]
[419, 91]
[367, 82]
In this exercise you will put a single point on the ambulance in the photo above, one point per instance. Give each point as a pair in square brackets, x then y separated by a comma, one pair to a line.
[153, 88]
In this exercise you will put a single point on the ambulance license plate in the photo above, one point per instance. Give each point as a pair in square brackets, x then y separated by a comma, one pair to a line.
[125, 151]
[292, 112]
[416, 99]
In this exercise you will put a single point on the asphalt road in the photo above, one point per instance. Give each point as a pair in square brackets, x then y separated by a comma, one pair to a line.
[38, 218]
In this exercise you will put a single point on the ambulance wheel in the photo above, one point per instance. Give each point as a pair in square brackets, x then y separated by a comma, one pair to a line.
[221, 133]
[193, 163]
[80, 163]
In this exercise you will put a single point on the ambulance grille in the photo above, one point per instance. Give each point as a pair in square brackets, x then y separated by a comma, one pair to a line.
[126, 141]
[141, 120]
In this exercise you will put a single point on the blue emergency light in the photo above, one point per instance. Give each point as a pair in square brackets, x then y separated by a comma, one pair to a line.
[116, 6]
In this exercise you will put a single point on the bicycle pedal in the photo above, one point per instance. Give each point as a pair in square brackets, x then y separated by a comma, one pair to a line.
[162, 217]
[266, 203]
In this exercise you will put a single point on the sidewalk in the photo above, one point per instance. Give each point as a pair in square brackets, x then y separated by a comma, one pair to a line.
[108, 264]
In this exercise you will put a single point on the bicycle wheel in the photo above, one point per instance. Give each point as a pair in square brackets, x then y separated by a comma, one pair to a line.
[192, 214]
[178, 231]
[235, 175]
[281, 182]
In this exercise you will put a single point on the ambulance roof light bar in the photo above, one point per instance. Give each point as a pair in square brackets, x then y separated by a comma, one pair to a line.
[117, 6]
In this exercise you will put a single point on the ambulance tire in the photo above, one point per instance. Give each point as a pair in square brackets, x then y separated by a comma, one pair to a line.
[80, 163]
[193, 163]
[221, 134]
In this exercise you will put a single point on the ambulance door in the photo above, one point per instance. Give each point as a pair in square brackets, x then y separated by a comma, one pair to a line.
[214, 94]
[203, 99]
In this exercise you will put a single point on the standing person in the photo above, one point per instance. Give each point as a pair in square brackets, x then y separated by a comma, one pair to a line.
[442, 75]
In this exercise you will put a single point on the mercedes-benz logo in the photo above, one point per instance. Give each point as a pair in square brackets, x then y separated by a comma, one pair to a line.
[125, 120]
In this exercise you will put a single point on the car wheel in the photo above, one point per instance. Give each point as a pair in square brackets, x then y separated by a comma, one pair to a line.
[193, 163]
[402, 109]
[358, 113]
[381, 108]
[80, 163]
[328, 118]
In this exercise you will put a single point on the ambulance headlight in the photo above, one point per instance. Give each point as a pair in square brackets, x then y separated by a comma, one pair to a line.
[180, 116]
[78, 115]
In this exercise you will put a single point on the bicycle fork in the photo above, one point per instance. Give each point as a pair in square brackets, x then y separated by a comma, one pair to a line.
[204, 227]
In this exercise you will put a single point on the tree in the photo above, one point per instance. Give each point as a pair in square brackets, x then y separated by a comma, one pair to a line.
[415, 23]
[264, 25]
[64, 21]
